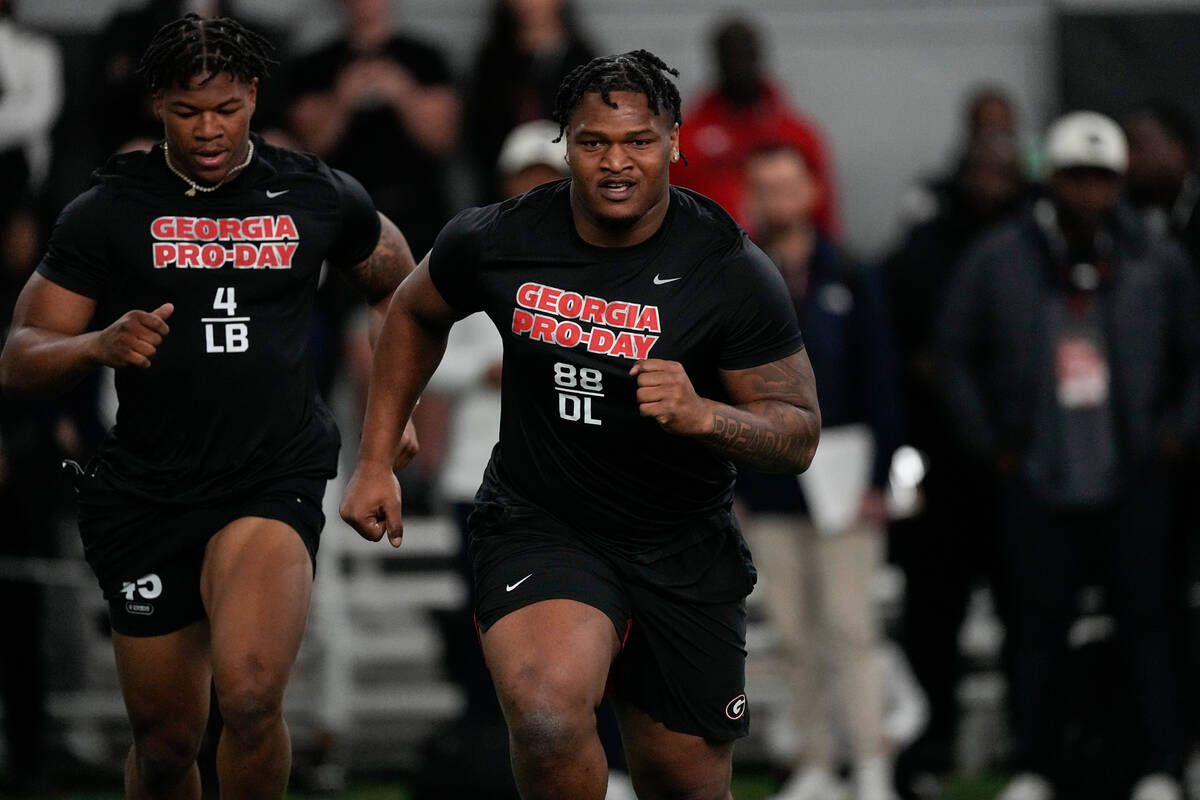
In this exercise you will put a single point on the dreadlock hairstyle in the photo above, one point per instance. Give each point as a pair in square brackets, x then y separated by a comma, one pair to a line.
[636, 71]
[193, 46]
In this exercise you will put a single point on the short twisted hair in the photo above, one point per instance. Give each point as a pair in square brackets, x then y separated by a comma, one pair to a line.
[637, 71]
[193, 46]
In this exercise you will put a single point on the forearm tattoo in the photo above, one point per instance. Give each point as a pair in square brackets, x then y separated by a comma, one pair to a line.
[389, 263]
[775, 432]
[764, 440]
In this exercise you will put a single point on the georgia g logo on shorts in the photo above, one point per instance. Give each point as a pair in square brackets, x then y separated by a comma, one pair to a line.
[144, 588]
[736, 707]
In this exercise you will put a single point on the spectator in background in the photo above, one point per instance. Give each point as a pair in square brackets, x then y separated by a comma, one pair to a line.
[380, 104]
[31, 94]
[527, 50]
[989, 109]
[945, 547]
[529, 157]
[1161, 181]
[743, 112]
[1058, 334]
[1162, 185]
[988, 113]
[818, 582]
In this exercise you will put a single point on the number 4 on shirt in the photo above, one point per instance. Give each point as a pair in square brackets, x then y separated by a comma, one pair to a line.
[224, 300]
[235, 333]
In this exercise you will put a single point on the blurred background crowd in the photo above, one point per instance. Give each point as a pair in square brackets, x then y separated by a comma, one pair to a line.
[993, 565]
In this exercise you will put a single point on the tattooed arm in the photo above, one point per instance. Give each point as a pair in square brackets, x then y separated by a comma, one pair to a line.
[380, 273]
[772, 423]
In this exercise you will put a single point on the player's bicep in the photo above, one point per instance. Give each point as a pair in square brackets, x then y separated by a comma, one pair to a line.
[388, 264]
[45, 305]
[788, 380]
[418, 297]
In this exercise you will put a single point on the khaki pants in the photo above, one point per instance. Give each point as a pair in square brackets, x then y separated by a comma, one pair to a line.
[818, 595]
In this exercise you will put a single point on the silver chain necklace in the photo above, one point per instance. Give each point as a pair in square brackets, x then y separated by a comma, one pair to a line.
[197, 187]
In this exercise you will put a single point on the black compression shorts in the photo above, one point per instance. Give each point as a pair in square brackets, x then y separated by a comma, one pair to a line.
[681, 618]
[163, 595]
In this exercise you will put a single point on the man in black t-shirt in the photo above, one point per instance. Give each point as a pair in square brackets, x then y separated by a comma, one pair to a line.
[201, 515]
[648, 346]
[381, 105]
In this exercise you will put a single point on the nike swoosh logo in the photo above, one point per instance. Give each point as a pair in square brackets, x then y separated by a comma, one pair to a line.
[508, 587]
[660, 281]
[273, 195]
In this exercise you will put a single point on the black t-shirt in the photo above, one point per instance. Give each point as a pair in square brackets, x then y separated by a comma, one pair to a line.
[406, 182]
[575, 318]
[229, 401]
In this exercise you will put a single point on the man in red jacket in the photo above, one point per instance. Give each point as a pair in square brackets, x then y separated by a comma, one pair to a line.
[744, 112]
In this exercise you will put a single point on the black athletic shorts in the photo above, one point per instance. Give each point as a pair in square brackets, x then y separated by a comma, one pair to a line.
[680, 615]
[154, 588]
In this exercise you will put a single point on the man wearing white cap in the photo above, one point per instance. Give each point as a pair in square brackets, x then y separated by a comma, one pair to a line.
[532, 154]
[1072, 366]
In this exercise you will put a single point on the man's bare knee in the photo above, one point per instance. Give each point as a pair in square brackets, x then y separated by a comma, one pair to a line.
[546, 718]
[164, 757]
[541, 733]
[251, 700]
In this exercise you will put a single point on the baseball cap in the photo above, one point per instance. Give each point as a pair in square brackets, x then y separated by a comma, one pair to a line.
[1086, 139]
[532, 143]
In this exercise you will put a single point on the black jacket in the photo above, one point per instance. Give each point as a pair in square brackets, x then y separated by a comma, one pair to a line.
[994, 344]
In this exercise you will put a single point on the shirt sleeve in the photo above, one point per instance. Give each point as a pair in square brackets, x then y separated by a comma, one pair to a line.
[77, 257]
[455, 259]
[759, 321]
[360, 223]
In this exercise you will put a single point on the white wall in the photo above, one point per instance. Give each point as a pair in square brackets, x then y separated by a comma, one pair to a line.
[885, 78]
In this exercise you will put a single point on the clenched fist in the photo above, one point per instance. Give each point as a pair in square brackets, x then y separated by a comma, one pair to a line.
[134, 338]
[665, 392]
[372, 503]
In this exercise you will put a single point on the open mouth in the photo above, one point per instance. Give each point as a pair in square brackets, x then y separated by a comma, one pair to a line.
[617, 189]
[210, 159]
